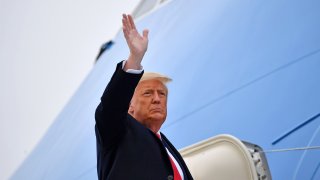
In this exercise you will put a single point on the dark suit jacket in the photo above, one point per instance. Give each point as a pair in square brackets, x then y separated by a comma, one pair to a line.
[125, 148]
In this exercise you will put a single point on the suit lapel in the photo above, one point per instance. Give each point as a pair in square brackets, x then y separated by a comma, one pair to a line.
[177, 156]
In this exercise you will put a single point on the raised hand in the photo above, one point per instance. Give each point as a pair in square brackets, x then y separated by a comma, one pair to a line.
[137, 44]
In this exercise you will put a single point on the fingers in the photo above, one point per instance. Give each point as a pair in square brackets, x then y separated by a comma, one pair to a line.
[128, 25]
[124, 27]
[128, 22]
[145, 33]
[125, 22]
[131, 22]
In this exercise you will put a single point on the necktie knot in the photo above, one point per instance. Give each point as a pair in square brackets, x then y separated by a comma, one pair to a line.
[158, 135]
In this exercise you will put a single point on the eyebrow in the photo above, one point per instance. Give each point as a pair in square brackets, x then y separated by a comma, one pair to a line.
[150, 89]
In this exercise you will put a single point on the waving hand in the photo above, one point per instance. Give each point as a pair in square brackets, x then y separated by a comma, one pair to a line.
[137, 44]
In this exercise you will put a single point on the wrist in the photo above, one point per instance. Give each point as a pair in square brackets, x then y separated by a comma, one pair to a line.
[133, 63]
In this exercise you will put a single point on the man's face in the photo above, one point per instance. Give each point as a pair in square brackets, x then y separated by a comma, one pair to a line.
[149, 103]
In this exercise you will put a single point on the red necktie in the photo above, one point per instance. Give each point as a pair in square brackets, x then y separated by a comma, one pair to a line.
[176, 174]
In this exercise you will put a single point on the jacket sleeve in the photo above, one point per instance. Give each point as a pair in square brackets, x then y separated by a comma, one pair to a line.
[111, 113]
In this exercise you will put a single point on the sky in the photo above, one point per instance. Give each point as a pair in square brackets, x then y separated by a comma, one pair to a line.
[46, 50]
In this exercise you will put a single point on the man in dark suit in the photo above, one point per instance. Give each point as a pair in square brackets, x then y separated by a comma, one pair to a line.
[129, 117]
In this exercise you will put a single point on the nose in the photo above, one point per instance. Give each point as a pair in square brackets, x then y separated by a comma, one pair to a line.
[156, 98]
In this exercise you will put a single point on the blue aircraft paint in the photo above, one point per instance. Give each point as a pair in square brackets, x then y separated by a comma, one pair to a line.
[241, 67]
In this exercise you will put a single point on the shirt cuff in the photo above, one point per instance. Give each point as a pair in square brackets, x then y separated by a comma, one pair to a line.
[132, 71]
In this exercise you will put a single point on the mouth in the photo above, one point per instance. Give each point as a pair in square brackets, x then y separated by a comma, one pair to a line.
[156, 110]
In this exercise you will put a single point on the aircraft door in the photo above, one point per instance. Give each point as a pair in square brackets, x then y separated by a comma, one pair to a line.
[224, 157]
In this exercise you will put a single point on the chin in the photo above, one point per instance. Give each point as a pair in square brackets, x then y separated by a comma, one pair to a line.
[158, 117]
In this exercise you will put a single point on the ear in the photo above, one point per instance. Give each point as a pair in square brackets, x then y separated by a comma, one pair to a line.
[131, 109]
